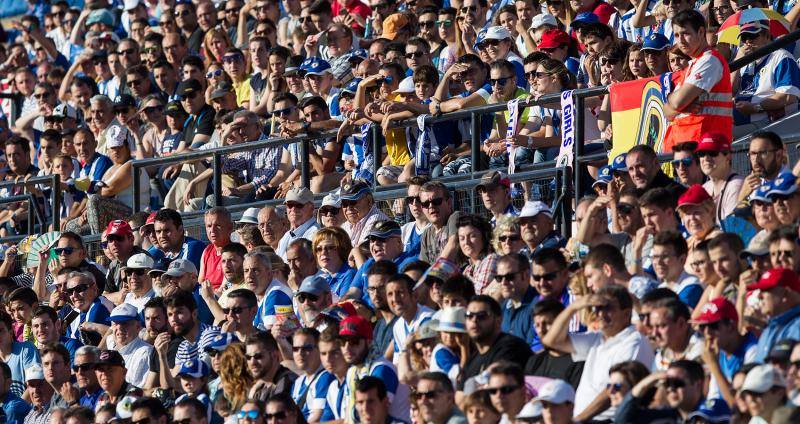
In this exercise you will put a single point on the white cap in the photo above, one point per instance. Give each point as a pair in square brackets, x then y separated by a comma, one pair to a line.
[140, 260]
[124, 312]
[533, 208]
[250, 216]
[125, 407]
[556, 391]
[178, 267]
[34, 372]
[131, 4]
[497, 33]
[332, 199]
[530, 410]
[543, 19]
[762, 378]
[117, 136]
[406, 86]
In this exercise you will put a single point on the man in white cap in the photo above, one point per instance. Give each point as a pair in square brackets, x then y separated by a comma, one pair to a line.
[537, 229]
[182, 275]
[557, 398]
[299, 203]
[139, 287]
[530, 413]
[40, 393]
[125, 339]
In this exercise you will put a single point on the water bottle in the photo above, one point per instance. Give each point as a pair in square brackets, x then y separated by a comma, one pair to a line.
[368, 28]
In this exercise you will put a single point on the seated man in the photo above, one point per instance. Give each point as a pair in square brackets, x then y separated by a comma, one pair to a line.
[172, 241]
[549, 362]
[669, 258]
[360, 211]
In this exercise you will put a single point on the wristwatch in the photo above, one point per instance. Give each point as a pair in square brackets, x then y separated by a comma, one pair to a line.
[759, 108]
[530, 142]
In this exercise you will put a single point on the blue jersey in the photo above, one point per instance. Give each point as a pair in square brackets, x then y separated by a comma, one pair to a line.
[360, 278]
[191, 249]
[95, 168]
[776, 73]
[341, 282]
[384, 370]
[277, 300]
[311, 391]
[446, 361]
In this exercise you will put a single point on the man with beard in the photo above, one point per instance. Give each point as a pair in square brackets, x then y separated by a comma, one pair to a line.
[85, 378]
[125, 339]
[182, 275]
[355, 334]
[273, 225]
[46, 328]
[264, 365]
[767, 155]
[378, 275]
[311, 388]
[121, 247]
[186, 329]
[385, 244]
[155, 320]
[313, 296]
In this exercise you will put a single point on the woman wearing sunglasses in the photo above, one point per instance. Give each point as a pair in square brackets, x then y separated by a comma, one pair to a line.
[507, 236]
[214, 76]
[622, 377]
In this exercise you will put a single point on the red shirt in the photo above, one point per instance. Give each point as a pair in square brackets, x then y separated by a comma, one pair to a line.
[355, 8]
[211, 265]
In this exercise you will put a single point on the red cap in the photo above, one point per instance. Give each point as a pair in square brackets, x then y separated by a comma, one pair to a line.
[151, 220]
[713, 142]
[777, 277]
[553, 38]
[355, 326]
[717, 310]
[119, 227]
[694, 195]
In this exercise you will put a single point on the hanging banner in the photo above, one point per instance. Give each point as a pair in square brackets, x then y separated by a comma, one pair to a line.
[565, 154]
[511, 133]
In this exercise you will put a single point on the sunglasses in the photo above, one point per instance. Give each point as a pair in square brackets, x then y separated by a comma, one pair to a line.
[183, 12]
[505, 390]
[445, 23]
[509, 239]
[426, 24]
[478, 316]
[305, 19]
[428, 395]
[235, 310]
[284, 111]
[468, 9]
[714, 326]
[252, 415]
[188, 96]
[625, 208]
[213, 74]
[685, 162]
[41, 96]
[387, 80]
[83, 367]
[412, 200]
[433, 202]
[127, 51]
[546, 277]
[674, 383]
[303, 348]
[487, 43]
[614, 388]
[152, 109]
[280, 415]
[80, 288]
[414, 55]
[499, 81]
[150, 50]
[535, 75]
[231, 58]
[306, 297]
[506, 277]
[136, 82]
[64, 250]
[709, 154]
[329, 211]
[137, 272]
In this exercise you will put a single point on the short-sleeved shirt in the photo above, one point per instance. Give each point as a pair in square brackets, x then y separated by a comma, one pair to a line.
[191, 249]
[704, 72]
[212, 266]
[202, 123]
[97, 313]
[600, 355]
[506, 346]
[381, 368]
[402, 329]
[23, 356]
[242, 90]
[444, 360]
[277, 300]
[310, 392]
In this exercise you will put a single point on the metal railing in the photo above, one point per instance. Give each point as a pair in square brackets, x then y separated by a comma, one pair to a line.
[54, 183]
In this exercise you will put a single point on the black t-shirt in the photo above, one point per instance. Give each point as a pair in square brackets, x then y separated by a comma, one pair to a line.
[506, 347]
[203, 124]
[563, 367]
[172, 350]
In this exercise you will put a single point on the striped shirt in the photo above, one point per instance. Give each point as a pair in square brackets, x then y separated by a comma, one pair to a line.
[188, 351]
[256, 166]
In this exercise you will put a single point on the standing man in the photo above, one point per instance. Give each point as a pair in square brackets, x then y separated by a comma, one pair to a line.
[701, 101]
[299, 203]
[121, 247]
[172, 241]
[219, 227]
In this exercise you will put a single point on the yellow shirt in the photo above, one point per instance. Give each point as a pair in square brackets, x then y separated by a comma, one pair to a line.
[242, 90]
[396, 145]
[523, 117]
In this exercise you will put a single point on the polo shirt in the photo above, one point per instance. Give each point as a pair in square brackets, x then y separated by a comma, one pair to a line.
[212, 266]
[518, 320]
[433, 240]
[600, 355]
[202, 123]
[783, 326]
[306, 230]
[402, 329]
[776, 73]
[89, 400]
[340, 282]
[360, 279]
[136, 355]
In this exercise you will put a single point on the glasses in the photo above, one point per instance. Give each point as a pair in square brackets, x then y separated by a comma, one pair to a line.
[685, 162]
[535, 75]
[499, 81]
[280, 415]
[183, 12]
[152, 109]
[414, 55]
[661, 257]
[487, 43]
[83, 367]
[509, 239]
[387, 80]
[251, 415]
[614, 388]
[546, 277]
[433, 202]
[189, 96]
[305, 19]
[714, 326]
[234, 311]
[294, 205]
[445, 23]
[510, 277]
[329, 211]
[674, 383]
[412, 200]
[625, 208]
[306, 297]
[468, 9]
[64, 250]
[709, 154]
[478, 316]
[721, 9]
[749, 37]
[284, 111]
[80, 288]
[303, 348]
[554, 3]
[325, 248]
[127, 52]
[231, 10]
[136, 82]
[505, 390]
[122, 111]
[231, 58]
[41, 96]
[428, 395]
[601, 308]
[763, 153]
[213, 74]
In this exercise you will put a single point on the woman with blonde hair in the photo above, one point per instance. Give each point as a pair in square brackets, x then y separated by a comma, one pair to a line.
[332, 248]
[215, 43]
[236, 380]
[507, 235]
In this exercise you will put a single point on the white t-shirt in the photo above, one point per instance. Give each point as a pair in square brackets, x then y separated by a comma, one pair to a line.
[600, 355]
[402, 329]
[137, 359]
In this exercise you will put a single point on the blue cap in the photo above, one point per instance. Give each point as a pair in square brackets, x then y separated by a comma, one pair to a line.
[385, 229]
[354, 190]
[640, 286]
[618, 164]
[713, 411]
[786, 183]
[352, 86]
[762, 193]
[480, 38]
[655, 42]
[101, 16]
[315, 284]
[358, 54]
[194, 368]
[603, 176]
[586, 18]
[216, 340]
[314, 66]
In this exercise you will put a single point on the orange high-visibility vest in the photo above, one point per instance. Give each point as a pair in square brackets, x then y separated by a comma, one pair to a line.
[716, 113]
